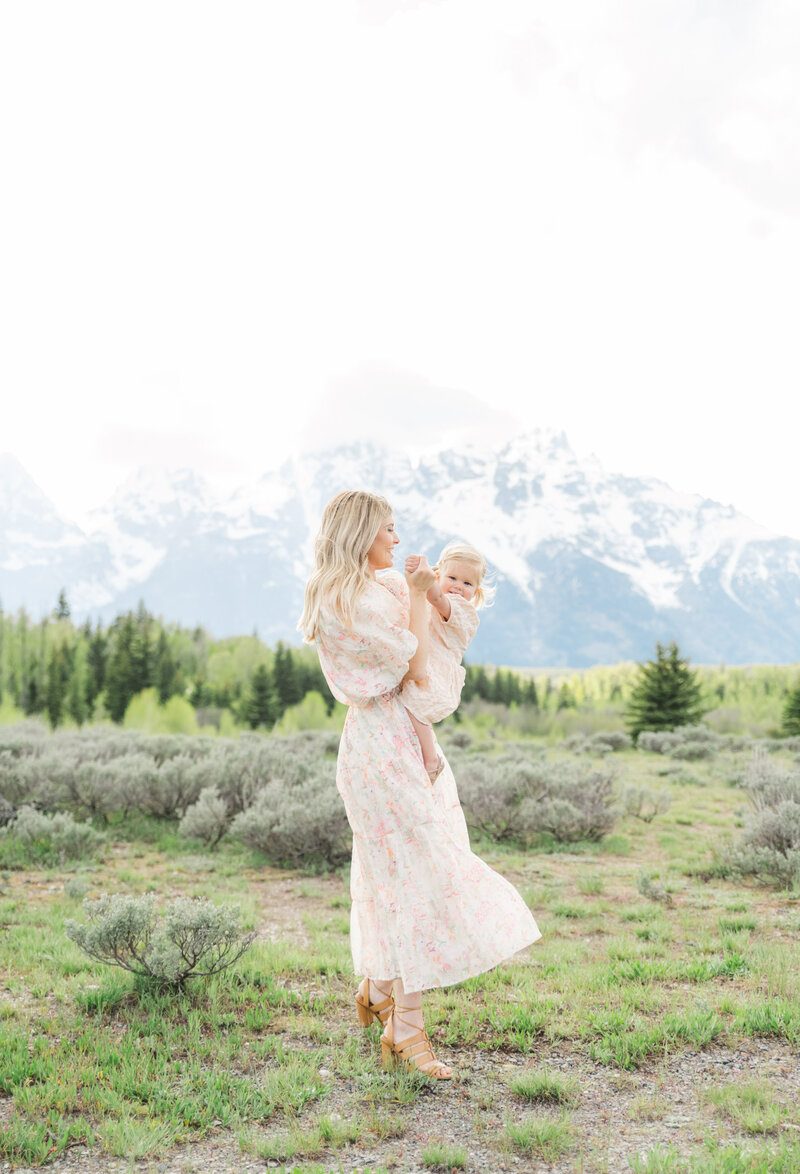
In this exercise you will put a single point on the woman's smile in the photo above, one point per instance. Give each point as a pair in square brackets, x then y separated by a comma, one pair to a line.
[381, 554]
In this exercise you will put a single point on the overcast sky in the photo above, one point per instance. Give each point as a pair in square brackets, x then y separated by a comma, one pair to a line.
[220, 221]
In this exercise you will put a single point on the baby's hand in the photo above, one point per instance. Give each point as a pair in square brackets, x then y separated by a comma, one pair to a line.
[419, 576]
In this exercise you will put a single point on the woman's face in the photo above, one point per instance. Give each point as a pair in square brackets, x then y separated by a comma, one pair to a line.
[381, 554]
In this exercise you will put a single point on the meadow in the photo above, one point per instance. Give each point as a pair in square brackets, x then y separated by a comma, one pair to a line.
[655, 1027]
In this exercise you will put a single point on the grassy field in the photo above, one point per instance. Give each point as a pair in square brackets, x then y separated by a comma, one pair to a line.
[655, 1027]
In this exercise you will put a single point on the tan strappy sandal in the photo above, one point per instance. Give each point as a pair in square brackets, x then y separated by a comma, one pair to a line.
[368, 1011]
[416, 1051]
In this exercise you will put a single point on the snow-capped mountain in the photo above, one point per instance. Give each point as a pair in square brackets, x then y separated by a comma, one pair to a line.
[591, 567]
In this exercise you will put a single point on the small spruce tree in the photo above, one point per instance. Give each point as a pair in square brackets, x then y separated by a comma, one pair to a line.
[62, 611]
[261, 706]
[667, 693]
[791, 712]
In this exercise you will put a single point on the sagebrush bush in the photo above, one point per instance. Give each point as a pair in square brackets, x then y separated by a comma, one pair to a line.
[659, 741]
[304, 825]
[692, 751]
[515, 797]
[207, 819]
[193, 937]
[52, 839]
[651, 888]
[770, 845]
[644, 803]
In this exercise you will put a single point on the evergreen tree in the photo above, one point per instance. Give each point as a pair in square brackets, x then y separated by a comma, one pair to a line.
[529, 694]
[498, 688]
[164, 669]
[201, 693]
[513, 688]
[260, 707]
[791, 711]
[62, 607]
[667, 693]
[287, 679]
[96, 664]
[119, 676]
[76, 699]
[141, 651]
[56, 688]
[481, 683]
[566, 698]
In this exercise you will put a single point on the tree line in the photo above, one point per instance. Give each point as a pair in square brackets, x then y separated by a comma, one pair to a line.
[91, 672]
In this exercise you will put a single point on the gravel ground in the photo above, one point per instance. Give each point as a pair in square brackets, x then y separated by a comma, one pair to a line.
[470, 1112]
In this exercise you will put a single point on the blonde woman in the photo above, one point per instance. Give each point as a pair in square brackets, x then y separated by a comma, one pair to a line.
[426, 912]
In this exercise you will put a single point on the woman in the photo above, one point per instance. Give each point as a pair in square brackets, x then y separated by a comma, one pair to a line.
[426, 911]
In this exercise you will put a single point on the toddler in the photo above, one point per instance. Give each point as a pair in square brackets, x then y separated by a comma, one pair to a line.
[452, 623]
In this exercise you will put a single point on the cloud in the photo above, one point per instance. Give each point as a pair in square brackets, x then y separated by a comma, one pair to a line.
[402, 409]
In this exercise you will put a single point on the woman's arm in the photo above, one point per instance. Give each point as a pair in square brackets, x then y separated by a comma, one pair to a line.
[420, 579]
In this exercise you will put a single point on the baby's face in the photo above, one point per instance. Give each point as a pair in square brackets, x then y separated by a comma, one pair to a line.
[458, 578]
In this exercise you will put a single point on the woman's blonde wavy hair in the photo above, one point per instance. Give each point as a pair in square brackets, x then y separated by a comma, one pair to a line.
[350, 525]
[462, 552]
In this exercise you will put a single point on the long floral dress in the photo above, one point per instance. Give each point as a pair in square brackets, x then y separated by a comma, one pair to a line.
[424, 906]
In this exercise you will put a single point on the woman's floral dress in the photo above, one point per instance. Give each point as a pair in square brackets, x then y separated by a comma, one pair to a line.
[424, 906]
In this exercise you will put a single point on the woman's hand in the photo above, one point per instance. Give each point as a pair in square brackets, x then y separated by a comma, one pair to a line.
[419, 575]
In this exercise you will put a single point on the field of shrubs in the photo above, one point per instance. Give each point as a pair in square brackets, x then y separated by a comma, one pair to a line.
[177, 983]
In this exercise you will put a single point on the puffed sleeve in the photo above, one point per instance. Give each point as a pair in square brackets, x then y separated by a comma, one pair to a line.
[371, 658]
[460, 629]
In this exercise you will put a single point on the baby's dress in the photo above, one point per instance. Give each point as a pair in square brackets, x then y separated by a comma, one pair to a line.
[424, 906]
[440, 693]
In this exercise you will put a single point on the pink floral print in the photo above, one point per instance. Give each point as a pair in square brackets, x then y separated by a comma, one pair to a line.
[424, 906]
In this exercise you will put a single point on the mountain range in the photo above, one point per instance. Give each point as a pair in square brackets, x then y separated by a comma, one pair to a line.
[591, 567]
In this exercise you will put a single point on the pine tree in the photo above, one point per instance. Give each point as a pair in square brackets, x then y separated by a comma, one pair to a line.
[62, 607]
[287, 679]
[791, 711]
[529, 694]
[260, 707]
[119, 675]
[96, 662]
[56, 687]
[76, 699]
[513, 688]
[482, 684]
[667, 693]
[164, 670]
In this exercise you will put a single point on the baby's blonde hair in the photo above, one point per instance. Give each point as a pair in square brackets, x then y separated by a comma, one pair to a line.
[463, 552]
[349, 526]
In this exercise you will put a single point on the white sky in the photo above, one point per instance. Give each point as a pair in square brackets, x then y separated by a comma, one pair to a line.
[216, 216]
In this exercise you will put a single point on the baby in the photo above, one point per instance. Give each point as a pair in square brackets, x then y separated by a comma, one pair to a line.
[452, 623]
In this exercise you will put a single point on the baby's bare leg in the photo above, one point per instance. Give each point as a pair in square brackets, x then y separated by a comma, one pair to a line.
[426, 741]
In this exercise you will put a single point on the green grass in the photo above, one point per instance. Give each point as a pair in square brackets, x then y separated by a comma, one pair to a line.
[545, 1087]
[751, 1106]
[257, 1052]
[539, 1136]
[437, 1155]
